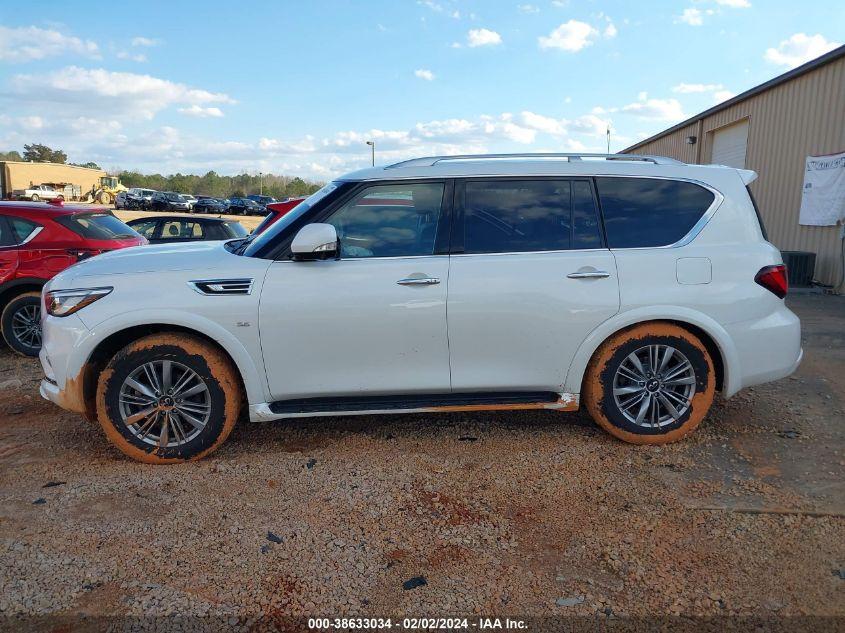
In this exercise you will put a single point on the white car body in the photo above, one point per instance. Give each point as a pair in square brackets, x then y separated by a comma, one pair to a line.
[515, 321]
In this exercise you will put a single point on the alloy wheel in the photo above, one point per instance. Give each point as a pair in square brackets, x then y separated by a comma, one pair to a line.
[654, 386]
[164, 403]
[26, 326]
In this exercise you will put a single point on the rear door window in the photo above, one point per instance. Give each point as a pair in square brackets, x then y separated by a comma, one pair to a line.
[146, 228]
[7, 237]
[517, 216]
[180, 230]
[650, 212]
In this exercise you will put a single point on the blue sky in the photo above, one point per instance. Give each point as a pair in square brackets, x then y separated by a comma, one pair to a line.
[298, 87]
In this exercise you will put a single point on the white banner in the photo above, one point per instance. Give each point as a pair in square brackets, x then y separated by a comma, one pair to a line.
[823, 196]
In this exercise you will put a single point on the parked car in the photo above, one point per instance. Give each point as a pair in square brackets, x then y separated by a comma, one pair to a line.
[245, 206]
[191, 200]
[276, 211]
[166, 229]
[37, 241]
[636, 286]
[134, 198]
[36, 193]
[262, 200]
[211, 205]
[168, 201]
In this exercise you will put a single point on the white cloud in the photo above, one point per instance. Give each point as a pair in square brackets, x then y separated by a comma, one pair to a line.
[570, 36]
[31, 122]
[114, 94]
[541, 123]
[691, 16]
[135, 57]
[483, 37]
[28, 43]
[722, 95]
[199, 111]
[439, 8]
[144, 41]
[683, 88]
[610, 30]
[798, 49]
[658, 109]
[735, 4]
[528, 8]
[422, 73]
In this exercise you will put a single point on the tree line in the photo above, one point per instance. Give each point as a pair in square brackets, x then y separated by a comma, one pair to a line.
[210, 184]
[213, 184]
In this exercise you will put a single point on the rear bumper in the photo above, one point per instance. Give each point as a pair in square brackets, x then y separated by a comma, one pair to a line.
[768, 349]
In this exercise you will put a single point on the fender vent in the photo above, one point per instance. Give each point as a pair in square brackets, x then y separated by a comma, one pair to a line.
[222, 286]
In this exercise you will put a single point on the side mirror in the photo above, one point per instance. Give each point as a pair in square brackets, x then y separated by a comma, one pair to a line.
[315, 241]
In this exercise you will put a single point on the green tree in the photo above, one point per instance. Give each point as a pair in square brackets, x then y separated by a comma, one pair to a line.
[13, 156]
[89, 165]
[37, 153]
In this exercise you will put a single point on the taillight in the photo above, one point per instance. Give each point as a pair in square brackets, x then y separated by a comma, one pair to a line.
[773, 279]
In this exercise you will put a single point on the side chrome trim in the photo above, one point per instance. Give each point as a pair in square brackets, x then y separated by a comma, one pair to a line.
[32, 235]
[222, 287]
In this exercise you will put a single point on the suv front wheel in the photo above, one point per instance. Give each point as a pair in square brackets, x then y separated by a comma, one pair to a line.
[650, 384]
[21, 323]
[168, 398]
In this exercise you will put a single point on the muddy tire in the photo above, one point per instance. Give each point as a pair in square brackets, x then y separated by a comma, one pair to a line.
[168, 398]
[21, 323]
[650, 384]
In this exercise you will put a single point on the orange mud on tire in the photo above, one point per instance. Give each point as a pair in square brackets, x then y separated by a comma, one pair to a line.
[208, 361]
[598, 382]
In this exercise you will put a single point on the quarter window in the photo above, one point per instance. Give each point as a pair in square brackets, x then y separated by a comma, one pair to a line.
[22, 228]
[389, 221]
[649, 212]
[529, 215]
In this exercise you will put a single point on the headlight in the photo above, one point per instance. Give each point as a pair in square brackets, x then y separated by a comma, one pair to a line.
[60, 303]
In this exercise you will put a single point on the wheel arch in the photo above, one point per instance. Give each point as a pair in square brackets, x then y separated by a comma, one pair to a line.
[118, 338]
[12, 289]
[712, 335]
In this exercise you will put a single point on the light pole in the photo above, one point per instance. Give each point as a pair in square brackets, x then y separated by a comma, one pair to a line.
[372, 145]
[261, 183]
[608, 137]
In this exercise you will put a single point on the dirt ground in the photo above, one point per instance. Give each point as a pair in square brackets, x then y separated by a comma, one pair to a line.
[519, 513]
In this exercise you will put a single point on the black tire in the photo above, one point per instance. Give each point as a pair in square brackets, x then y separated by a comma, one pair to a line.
[599, 382]
[22, 308]
[222, 398]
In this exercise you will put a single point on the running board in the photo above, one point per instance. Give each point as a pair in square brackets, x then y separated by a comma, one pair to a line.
[419, 403]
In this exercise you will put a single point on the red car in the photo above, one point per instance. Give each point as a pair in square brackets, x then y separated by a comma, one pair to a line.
[39, 240]
[275, 211]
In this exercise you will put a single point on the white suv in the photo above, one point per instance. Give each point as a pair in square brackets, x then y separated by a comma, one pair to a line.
[635, 285]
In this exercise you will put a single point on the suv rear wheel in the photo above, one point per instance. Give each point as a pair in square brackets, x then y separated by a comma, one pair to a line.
[168, 398]
[650, 384]
[21, 323]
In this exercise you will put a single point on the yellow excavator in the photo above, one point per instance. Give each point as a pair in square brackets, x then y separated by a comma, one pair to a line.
[107, 190]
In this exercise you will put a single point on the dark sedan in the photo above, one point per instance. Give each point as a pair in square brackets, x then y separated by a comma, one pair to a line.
[165, 229]
[169, 201]
[211, 205]
[245, 206]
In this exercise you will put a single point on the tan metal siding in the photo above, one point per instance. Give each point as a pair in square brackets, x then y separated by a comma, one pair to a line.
[19, 175]
[801, 117]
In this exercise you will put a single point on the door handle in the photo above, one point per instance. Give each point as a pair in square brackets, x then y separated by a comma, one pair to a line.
[418, 281]
[589, 274]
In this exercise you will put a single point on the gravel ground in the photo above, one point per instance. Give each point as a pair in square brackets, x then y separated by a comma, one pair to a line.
[518, 513]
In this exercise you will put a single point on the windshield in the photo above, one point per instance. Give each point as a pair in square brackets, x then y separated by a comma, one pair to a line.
[96, 226]
[258, 243]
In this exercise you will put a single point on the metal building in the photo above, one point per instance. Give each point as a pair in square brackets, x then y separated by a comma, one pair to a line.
[771, 129]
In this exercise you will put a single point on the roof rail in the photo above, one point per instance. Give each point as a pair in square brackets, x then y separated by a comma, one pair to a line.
[430, 161]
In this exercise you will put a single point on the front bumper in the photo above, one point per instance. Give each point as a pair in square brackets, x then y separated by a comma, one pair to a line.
[64, 375]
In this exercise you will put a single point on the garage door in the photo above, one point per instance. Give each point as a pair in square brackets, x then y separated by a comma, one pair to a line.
[729, 145]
